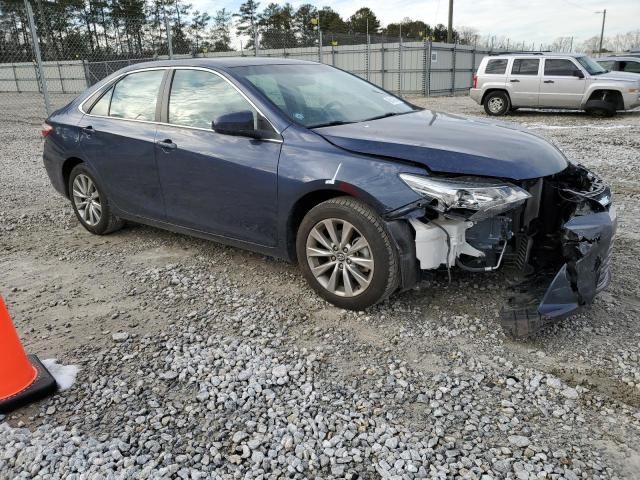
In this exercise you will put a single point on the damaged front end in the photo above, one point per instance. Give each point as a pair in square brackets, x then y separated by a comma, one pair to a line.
[555, 233]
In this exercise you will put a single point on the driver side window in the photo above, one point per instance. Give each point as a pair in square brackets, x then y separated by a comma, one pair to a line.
[197, 98]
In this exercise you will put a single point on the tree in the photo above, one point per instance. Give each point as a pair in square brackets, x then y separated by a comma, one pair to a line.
[305, 26]
[221, 32]
[248, 21]
[363, 21]
[199, 23]
[276, 24]
[467, 35]
[331, 21]
[413, 29]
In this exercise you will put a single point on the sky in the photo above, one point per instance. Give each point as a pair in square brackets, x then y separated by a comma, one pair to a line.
[531, 20]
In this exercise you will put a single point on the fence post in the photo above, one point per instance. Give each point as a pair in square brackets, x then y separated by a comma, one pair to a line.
[333, 55]
[382, 62]
[319, 45]
[169, 39]
[453, 71]
[368, 56]
[61, 79]
[40, 75]
[400, 66]
[255, 42]
[15, 77]
[85, 67]
[429, 72]
[424, 67]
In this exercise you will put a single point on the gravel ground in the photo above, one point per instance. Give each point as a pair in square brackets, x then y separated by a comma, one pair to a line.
[203, 361]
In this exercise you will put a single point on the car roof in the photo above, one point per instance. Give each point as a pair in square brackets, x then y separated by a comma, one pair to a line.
[535, 54]
[617, 58]
[221, 63]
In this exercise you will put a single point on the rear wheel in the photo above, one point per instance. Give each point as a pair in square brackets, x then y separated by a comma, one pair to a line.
[346, 254]
[90, 203]
[497, 103]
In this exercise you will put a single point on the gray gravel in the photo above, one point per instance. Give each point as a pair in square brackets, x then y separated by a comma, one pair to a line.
[203, 361]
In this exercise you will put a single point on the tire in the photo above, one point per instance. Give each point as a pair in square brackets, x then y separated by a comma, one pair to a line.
[375, 259]
[497, 103]
[600, 108]
[97, 218]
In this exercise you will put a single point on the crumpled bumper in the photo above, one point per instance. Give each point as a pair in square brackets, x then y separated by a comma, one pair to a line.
[587, 246]
[586, 239]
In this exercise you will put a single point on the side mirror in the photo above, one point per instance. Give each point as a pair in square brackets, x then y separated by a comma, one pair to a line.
[236, 123]
[578, 73]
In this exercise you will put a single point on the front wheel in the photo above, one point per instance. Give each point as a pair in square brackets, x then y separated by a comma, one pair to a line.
[497, 103]
[346, 254]
[90, 203]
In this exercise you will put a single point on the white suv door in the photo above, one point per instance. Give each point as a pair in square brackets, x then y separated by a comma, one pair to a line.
[563, 84]
[524, 82]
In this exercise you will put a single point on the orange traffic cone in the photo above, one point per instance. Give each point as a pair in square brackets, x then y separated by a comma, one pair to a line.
[23, 379]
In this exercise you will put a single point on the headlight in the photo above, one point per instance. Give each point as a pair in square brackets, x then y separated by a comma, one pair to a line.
[484, 198]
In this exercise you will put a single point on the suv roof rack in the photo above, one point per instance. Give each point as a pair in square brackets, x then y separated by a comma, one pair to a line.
[521, 52]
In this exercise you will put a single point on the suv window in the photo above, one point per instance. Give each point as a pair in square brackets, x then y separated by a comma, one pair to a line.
[559, 67]
[498, 66]
[525, 66]
[608, 64]
[630, 66]
[197, 98]
[135, 96]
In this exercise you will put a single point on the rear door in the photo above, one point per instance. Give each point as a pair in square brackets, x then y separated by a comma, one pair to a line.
[216, 183]
[118, 141]
[561, 84]
[524, 80]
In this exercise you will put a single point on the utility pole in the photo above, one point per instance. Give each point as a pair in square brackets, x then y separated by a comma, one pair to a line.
[604, 16]
[450, 26]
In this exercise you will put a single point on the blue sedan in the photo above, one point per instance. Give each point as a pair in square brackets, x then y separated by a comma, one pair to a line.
[366, 191]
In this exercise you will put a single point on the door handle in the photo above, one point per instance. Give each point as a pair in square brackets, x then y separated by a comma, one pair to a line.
[515, 81]
[549, 81]
[166, 144]
[88, 130]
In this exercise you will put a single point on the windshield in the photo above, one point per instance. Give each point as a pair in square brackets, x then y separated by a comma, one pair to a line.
[319, 95]
[591, 66]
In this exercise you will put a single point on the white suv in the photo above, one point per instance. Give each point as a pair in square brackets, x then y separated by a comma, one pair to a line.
[506, 82]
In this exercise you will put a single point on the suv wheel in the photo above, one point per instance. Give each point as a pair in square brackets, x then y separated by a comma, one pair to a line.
[346, 254]
[497, 103]
[90, 203]
[600, 108]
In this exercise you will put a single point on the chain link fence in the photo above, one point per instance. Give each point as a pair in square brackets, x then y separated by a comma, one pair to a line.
[49, 53]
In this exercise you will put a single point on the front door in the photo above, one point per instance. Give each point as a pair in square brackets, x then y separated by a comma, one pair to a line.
[561, 84]
[220, 184]
[525, 82]
[117, 140]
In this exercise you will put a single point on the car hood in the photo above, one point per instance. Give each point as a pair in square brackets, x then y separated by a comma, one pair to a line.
[618, 76]
[446, 143]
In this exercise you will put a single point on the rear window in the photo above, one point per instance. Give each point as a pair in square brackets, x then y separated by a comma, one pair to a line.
[497, 66]
[525, 66]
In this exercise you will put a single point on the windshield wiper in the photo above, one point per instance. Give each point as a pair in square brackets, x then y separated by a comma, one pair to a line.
[389, 114]
[330, 124]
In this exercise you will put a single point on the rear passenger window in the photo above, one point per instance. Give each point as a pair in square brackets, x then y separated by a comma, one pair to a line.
[135, 96]
[496, 66]
[559, 67]
[102, 106]
[525, 66]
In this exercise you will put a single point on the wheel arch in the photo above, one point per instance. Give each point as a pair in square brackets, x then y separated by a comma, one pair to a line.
[608, 94]
[495, 89]
[310, 199]
[68, 165]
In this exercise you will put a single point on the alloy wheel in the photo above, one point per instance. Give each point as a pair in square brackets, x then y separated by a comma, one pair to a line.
[86, 199]
[340, 257]
[496, 104]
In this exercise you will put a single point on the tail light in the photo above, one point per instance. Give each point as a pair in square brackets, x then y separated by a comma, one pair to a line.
[475, 81]
[46, 130]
